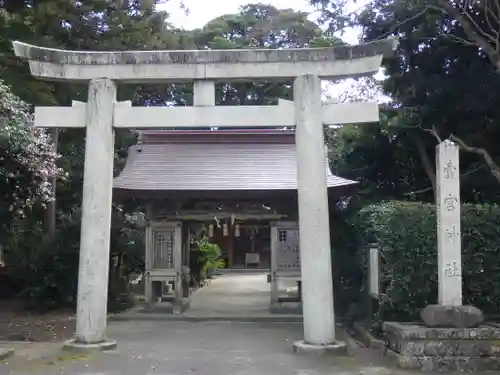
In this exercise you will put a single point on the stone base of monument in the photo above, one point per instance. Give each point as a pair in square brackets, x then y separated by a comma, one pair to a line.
[444, 349]
[303, 348]
[78, 347]
[443, 316]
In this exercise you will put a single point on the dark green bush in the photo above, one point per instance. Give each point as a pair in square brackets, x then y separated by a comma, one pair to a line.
[44, 273]
[406, 236]
[347, 274]
[127, 256]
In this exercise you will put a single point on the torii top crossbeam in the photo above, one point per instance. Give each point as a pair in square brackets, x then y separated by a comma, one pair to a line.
[218, 65]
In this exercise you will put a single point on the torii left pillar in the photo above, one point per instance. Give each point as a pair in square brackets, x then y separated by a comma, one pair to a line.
[91, 312]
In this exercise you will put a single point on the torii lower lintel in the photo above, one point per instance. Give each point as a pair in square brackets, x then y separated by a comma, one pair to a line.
[281, 115]
[68, 117]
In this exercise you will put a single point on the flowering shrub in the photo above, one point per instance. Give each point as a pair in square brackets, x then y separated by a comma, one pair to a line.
[27, 158]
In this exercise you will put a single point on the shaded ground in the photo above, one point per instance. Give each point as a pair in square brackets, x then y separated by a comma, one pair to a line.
[17, 324]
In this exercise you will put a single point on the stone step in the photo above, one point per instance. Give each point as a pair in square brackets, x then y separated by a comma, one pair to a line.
[277, 318]
[6, 353]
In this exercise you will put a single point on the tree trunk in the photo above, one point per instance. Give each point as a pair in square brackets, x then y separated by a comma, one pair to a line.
[51, 206]
[426, 162]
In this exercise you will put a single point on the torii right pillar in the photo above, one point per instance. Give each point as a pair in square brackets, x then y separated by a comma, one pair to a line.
[314, 227]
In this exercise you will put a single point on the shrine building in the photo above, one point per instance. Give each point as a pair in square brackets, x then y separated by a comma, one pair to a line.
[239, 187]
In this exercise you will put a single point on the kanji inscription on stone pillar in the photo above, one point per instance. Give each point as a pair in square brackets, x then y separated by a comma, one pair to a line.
[448, 224]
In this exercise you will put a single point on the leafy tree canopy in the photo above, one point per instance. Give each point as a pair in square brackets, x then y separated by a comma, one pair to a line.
[444, 84]
[27, 159]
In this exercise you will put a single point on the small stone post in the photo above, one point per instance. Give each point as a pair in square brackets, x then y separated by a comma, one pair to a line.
[314, 226]
[203, 93]
[91, 314]
[449, 312]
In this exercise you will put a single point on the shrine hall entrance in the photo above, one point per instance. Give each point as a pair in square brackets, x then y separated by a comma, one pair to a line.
[245, 246]
[264, 277]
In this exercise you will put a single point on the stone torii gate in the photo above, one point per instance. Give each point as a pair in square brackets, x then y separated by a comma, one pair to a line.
[102, 113]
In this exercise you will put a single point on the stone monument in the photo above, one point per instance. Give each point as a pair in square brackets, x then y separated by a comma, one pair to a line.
[451, 337]
[449, 312]
[102, 113]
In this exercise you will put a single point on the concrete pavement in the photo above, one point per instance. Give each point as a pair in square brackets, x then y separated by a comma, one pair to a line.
[243, 297]
[205, 346]
[232, 294]
[208, 348]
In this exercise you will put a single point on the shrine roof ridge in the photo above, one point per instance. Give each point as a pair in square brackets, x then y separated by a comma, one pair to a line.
[384, 47]
[231, 136]
[215, 133]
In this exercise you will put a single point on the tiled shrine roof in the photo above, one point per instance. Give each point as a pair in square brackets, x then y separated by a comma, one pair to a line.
[214, 161]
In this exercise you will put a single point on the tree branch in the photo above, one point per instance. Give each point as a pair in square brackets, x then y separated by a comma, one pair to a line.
[467, 15]
[426, 162]
[495, 15]
[433, 132]
[430, 187]
[409, 19]
[494, 168]
[492, 24]
[468, 27]
[462, 40]
[497, 6]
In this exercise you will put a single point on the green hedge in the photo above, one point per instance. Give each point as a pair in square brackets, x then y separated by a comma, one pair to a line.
[406, 236]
